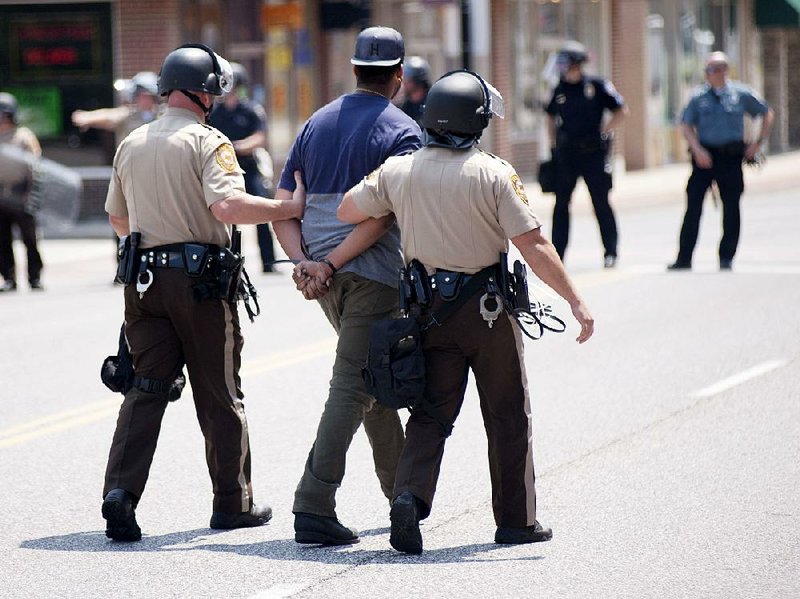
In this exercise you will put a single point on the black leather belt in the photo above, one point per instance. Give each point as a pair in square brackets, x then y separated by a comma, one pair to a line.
[163, 259]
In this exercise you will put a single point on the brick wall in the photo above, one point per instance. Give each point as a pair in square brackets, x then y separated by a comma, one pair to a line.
[501, 77]
[629, 74]
[145, 32]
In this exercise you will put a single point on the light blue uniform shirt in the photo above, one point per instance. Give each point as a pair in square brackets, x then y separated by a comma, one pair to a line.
[718, 116]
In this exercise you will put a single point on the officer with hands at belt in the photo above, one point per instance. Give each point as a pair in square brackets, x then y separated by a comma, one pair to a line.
[175, 188]
[713, 125]
[457, 207]
[581, 143]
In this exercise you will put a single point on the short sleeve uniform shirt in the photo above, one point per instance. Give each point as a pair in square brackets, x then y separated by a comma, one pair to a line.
[456, 209]
[166, 176]
[718, 115]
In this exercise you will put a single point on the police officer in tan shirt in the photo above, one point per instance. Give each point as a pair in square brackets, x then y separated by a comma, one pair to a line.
[177, 183]
[457, 207]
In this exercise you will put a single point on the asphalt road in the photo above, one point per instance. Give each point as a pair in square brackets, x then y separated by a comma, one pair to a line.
[667, 447]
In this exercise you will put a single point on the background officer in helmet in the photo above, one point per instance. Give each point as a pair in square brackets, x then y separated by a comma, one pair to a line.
[244, 122]
[127, 117]
[177, 183]
[352, 271]
[580, 139]
[458, 234]
[416, 83]
[16, 210]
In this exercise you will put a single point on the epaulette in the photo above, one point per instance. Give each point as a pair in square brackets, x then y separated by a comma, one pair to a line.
[490, 155]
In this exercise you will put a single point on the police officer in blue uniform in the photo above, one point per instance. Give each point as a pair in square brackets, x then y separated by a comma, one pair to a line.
[713, 125]
[244, 122]
[580, 142]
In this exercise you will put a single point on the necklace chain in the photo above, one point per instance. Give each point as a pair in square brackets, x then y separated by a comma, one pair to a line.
[369, 91]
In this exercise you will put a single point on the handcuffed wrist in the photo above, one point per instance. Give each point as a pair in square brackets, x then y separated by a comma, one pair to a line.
[329, 264]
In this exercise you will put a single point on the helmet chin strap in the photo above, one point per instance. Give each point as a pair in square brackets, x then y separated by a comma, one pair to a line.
[206, 109]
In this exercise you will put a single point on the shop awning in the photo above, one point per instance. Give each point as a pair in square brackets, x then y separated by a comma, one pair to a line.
[777, 13]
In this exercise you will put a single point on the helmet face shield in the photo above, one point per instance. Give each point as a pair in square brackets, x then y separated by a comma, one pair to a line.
[497, 105]
[224, 74]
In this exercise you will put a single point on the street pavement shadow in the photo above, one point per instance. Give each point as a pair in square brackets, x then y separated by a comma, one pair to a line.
[205, 539]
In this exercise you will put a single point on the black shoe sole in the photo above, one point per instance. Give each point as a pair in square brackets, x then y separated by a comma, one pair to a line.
[405, 535]
[522, 538]
[239, 522]
[120, 527]
[307, 537]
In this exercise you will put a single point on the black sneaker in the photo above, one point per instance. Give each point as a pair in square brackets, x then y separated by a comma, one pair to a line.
[119, 511]
[507, 535]
[725, 264]
[312, 529]
[36, 285]
[405, 535]
[258, 515]
[679, 266]
[609, 261]
[8, 286]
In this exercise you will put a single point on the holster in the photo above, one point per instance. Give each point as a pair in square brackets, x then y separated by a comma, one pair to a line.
[127, 265]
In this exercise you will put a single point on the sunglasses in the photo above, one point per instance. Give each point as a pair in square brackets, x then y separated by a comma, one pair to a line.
[710, 70]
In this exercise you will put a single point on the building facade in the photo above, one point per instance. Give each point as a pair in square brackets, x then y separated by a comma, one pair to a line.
[61, 56]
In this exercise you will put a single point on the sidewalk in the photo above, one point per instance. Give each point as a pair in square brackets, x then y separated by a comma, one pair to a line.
[666, 184]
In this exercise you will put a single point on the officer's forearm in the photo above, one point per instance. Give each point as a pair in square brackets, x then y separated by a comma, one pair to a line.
[616, 119]
[246, 209]
[541, 256]
[246, 145]
[362, 237]
[766, 125]
[691, 137]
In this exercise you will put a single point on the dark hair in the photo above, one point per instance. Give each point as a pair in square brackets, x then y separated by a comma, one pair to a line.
[376, 75]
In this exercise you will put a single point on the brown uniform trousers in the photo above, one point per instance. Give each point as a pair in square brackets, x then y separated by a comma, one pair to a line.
[463, 342]
[164, 327]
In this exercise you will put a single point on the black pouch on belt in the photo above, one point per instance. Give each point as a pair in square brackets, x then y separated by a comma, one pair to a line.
[195, 258]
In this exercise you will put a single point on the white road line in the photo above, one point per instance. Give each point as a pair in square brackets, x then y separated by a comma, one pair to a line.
[738, 378]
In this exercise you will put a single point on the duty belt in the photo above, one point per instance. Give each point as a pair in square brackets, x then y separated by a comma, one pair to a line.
[192, 257]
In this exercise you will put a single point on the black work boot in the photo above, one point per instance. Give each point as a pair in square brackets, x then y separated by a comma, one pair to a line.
[405, 535]
[255, 516]
[322, 530]
[508, 535]
[119, 511]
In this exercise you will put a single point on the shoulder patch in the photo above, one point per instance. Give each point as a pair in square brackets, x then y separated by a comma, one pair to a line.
[226, 157]
[519, 189]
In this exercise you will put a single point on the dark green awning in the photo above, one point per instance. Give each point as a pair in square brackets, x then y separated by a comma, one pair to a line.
[777, 13]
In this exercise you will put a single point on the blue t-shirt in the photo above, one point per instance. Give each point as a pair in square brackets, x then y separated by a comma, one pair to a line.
[339, 145]
[718, 116]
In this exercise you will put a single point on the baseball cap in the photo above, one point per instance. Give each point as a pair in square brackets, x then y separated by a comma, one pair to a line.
[379, 47]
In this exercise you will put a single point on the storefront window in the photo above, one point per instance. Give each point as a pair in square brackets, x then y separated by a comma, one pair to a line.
[539, 29]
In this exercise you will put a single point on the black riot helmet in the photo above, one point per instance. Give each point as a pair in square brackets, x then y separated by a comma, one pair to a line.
[572, 53]
[462, 103]
[8, 106]
[195, 68]
[418, 70]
